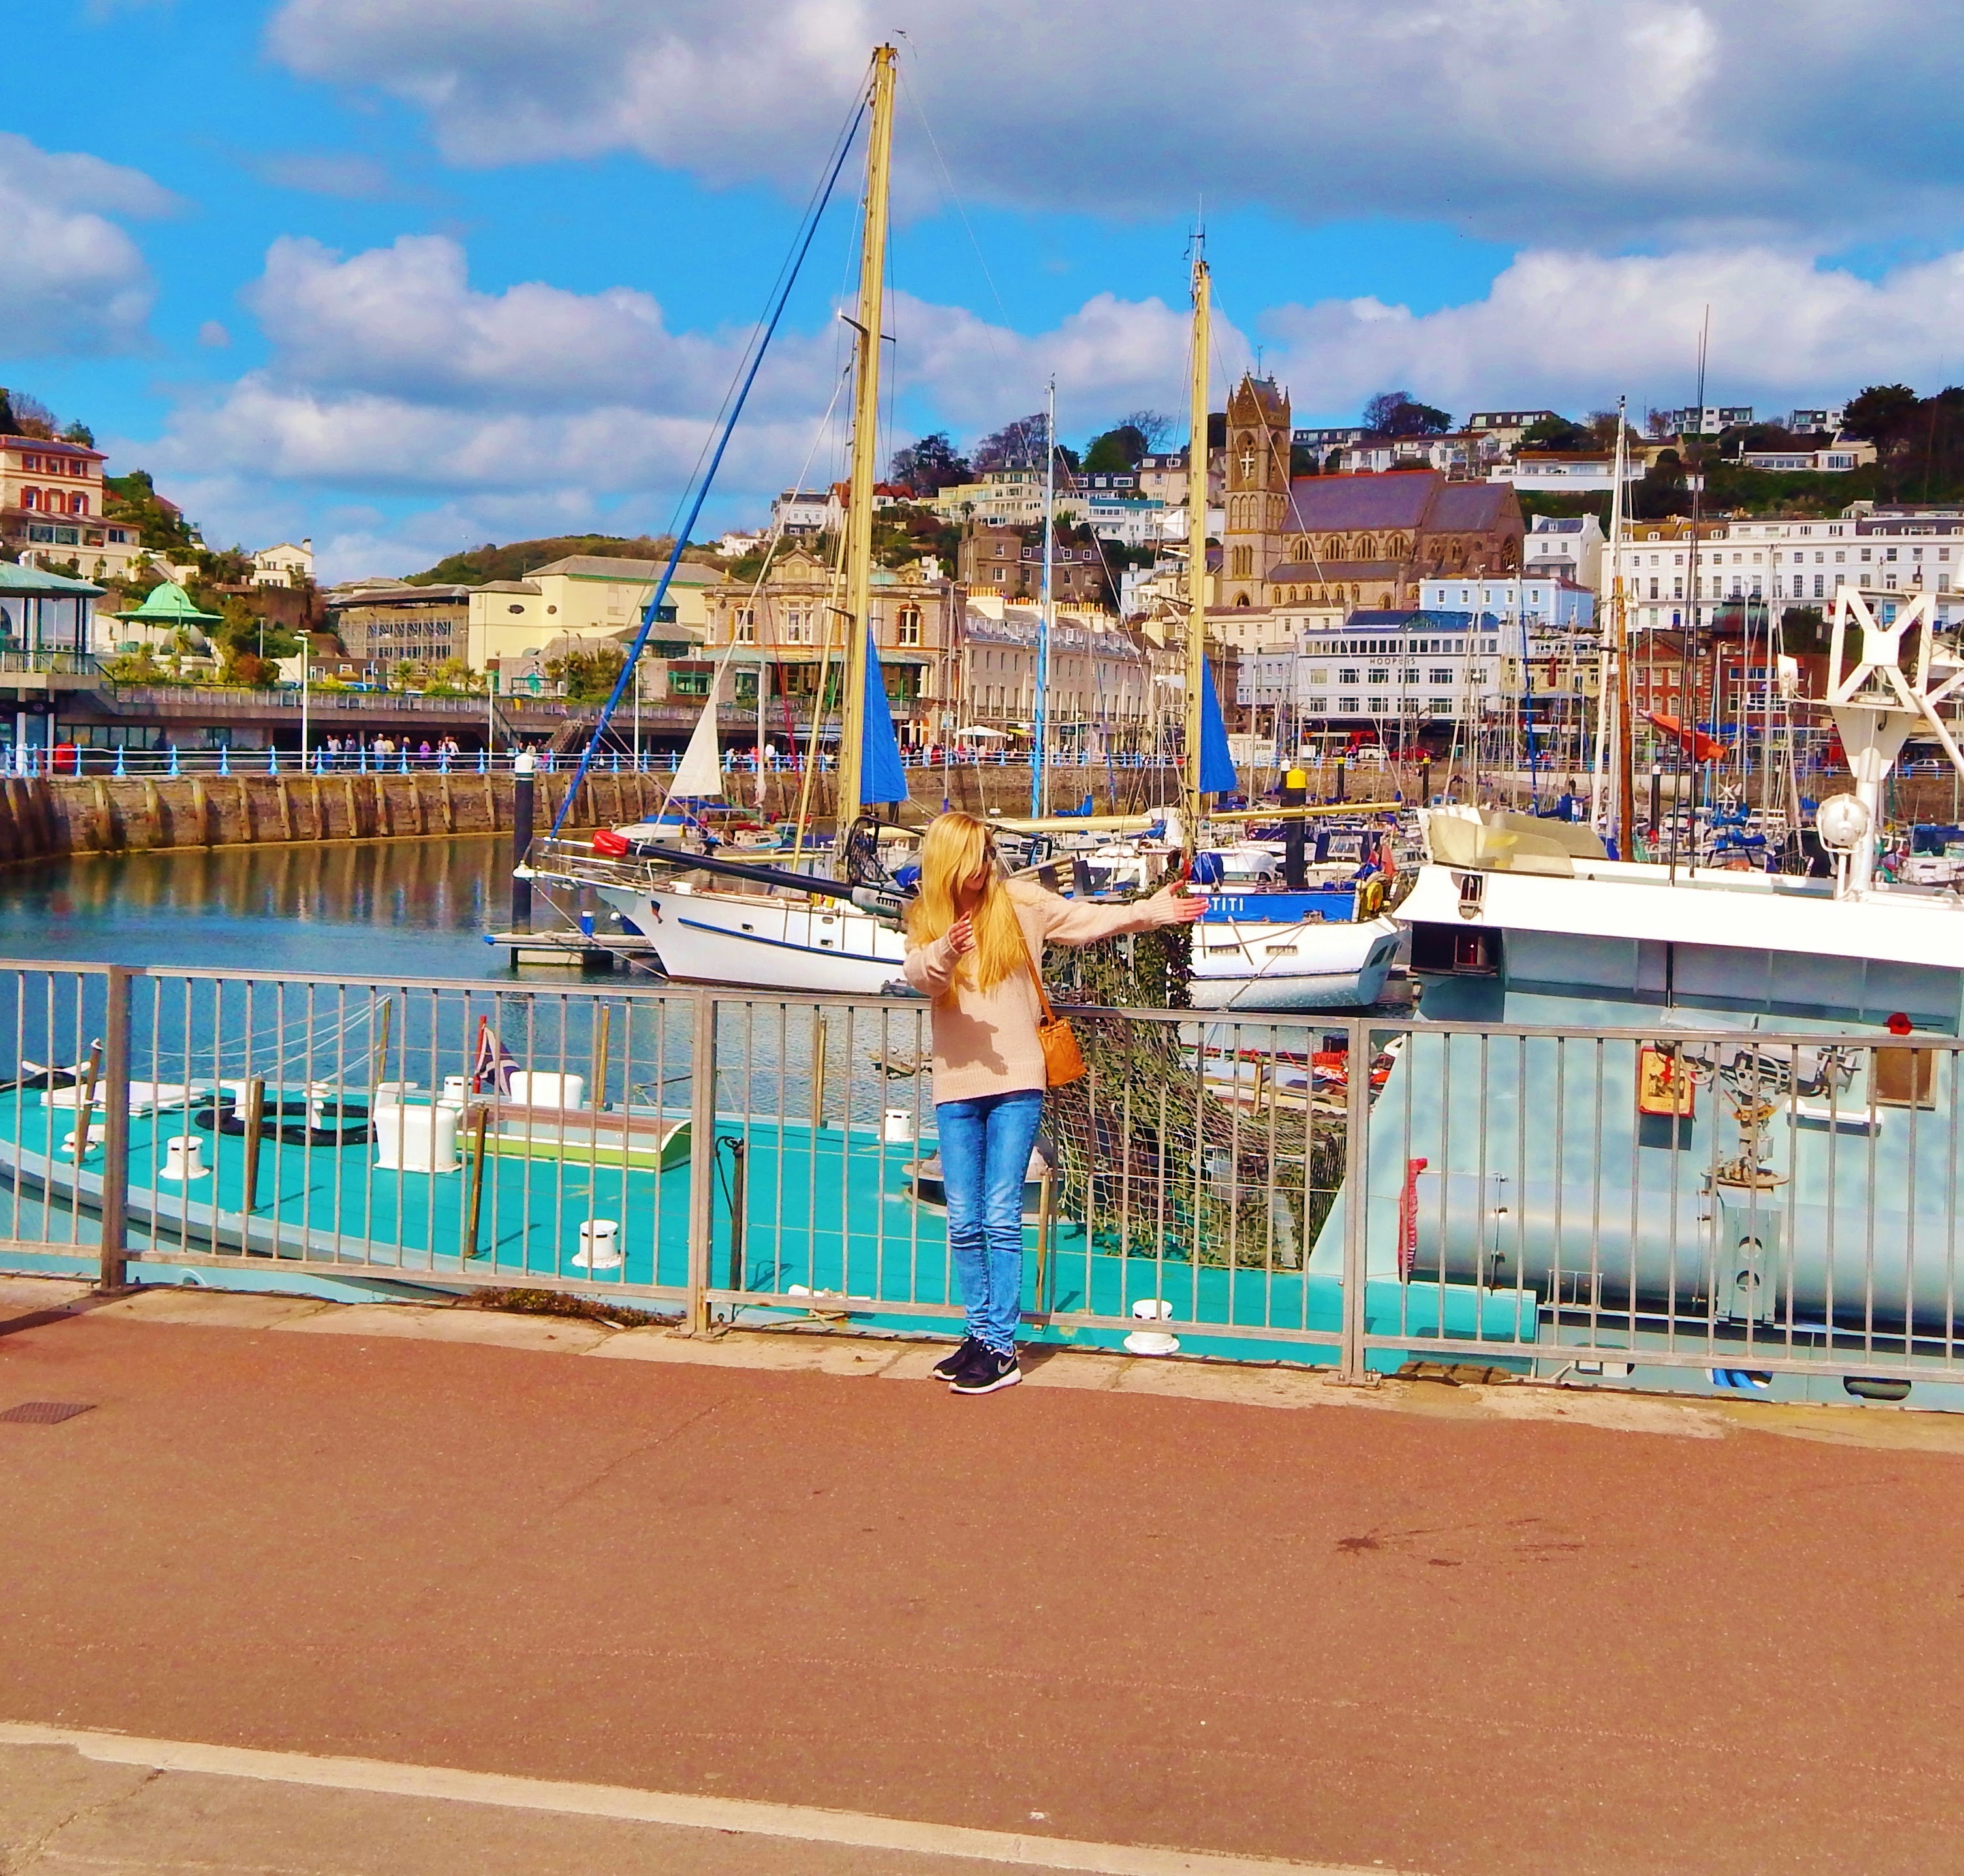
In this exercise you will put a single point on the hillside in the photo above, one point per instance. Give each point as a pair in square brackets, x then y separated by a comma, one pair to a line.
[517, 558]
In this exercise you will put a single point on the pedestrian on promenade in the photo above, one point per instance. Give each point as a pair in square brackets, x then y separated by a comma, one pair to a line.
[975, 946]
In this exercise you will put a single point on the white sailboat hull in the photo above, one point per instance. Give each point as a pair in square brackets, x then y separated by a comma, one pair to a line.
[764, 943]
[761, 942]
[1246, 965]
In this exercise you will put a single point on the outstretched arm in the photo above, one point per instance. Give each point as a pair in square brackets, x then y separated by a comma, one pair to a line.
[1078, 922]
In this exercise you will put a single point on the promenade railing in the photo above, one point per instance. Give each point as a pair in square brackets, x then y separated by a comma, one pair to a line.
[1723, 1209]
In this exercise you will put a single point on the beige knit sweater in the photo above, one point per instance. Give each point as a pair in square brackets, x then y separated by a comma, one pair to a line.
[985, 1042]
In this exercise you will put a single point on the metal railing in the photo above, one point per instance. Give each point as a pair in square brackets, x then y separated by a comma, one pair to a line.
[1722, 1209]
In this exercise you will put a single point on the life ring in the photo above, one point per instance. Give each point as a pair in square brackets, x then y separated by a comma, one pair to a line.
[1370, 898]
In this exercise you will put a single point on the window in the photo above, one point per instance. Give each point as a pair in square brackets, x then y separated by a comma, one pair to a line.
[1411, 677]
[746, 627]
[909, 632]
[1820, 582]
[1379, 705]
[1441, 675]
[1441, 706]
[1346, 676]
[1346, 706]
[1381, 676]
[30, 498]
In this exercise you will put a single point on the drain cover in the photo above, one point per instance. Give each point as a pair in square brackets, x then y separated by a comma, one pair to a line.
[45, 1413]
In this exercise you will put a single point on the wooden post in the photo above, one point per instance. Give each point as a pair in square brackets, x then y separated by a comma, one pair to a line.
[479, 1120]
[255, 1134]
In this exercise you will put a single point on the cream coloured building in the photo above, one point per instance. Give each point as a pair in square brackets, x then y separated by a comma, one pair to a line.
[51, 503]
[586, 596]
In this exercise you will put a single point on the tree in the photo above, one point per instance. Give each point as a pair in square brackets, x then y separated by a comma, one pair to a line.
[1661, 492]
[1882, 413]
[1155, 427]
[589, 677]
[249, 648]
[1116, 450]
[930, 465]
[79, 432]
[1398, 413]
[1017, 445]
[23, 414]
[161, 524]
[1557, 433]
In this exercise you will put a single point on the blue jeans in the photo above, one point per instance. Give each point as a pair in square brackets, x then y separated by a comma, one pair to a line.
[985, 1151]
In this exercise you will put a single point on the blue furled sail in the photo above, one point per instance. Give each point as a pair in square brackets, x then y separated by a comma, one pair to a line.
[1216, 765]
[881, 777]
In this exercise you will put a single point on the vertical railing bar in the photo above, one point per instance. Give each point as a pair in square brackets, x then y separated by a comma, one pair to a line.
[113, 1272]
[701, 1160]
[1357, 1163]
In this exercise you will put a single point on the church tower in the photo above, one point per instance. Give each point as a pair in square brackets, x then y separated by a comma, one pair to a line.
[1258, 490]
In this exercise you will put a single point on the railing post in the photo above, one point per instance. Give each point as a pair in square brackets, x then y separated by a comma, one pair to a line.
[113, 1273]
[702, 1162]
[1356, 1198]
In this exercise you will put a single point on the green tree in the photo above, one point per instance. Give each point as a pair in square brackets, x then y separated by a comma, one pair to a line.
[589, 677]
[161, 524]
[1557, 433]
[1882, 413]
[1115, 451]
[250, 648]
[1398, 413]
[930, 465]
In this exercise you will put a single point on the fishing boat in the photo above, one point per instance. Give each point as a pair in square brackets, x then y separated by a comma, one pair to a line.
[1776, 1180]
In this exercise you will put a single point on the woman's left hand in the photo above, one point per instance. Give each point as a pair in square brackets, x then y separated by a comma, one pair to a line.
[1169, 906]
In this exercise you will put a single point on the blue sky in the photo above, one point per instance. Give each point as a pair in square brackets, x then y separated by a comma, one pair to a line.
[404, 276]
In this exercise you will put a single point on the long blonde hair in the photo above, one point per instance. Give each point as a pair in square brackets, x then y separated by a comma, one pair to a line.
[957, 847]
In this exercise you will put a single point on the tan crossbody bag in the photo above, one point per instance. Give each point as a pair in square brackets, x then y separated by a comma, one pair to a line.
[1063, 1061]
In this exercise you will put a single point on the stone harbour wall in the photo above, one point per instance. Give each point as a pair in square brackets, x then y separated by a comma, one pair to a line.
[43, 818]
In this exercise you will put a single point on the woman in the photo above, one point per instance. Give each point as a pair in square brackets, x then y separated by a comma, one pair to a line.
[973, 942]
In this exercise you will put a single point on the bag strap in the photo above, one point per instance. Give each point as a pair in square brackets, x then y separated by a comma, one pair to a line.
[1030, 959]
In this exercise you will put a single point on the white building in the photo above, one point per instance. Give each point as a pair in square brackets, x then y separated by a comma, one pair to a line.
[1837, 459]
[289, 564]
[1786, 562]
[1548, 602]
[808, 511]
[1395, 670]
[1552, 472]
[1564, 546]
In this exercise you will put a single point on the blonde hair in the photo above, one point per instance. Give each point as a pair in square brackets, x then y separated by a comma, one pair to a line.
[957, 847]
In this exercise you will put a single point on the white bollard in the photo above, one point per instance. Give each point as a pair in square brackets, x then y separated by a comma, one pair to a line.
[97, 1133]
[184, 1159]
[897, 1126]
[391, 1094]
[599, 1242]
[535, 1088]
[456, 1090]
[1152, 1341]
[416, 1139]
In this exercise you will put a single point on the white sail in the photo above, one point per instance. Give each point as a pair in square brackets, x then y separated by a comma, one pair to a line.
[700, 774]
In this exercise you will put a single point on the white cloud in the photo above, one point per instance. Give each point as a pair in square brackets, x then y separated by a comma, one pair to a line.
[1573, 330]
[73, 282]
[1529, 120]
[537, 409]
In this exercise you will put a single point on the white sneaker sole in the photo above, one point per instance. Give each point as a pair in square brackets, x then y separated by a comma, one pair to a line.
[995, 1386]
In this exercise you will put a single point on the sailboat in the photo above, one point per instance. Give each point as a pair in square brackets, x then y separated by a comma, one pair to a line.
[760, 927]
[770, 930]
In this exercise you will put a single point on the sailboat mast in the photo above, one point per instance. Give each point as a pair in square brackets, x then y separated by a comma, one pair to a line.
[865, 444]
[1046, 616]
[1196, 551]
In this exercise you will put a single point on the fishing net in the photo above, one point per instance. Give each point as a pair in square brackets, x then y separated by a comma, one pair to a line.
[1215, 1140]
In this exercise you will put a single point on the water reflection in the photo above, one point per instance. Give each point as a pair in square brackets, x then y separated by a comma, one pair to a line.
[410, 907]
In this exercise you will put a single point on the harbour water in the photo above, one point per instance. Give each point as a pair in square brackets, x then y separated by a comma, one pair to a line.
[409, 908]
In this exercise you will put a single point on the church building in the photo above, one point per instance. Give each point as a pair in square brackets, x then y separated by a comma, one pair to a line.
[1347, 540]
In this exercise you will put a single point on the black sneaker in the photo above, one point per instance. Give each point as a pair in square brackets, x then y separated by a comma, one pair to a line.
[950, 1365]
[991, 1369]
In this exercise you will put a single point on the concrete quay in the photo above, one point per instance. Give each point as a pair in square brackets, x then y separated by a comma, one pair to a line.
[318, 1588]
